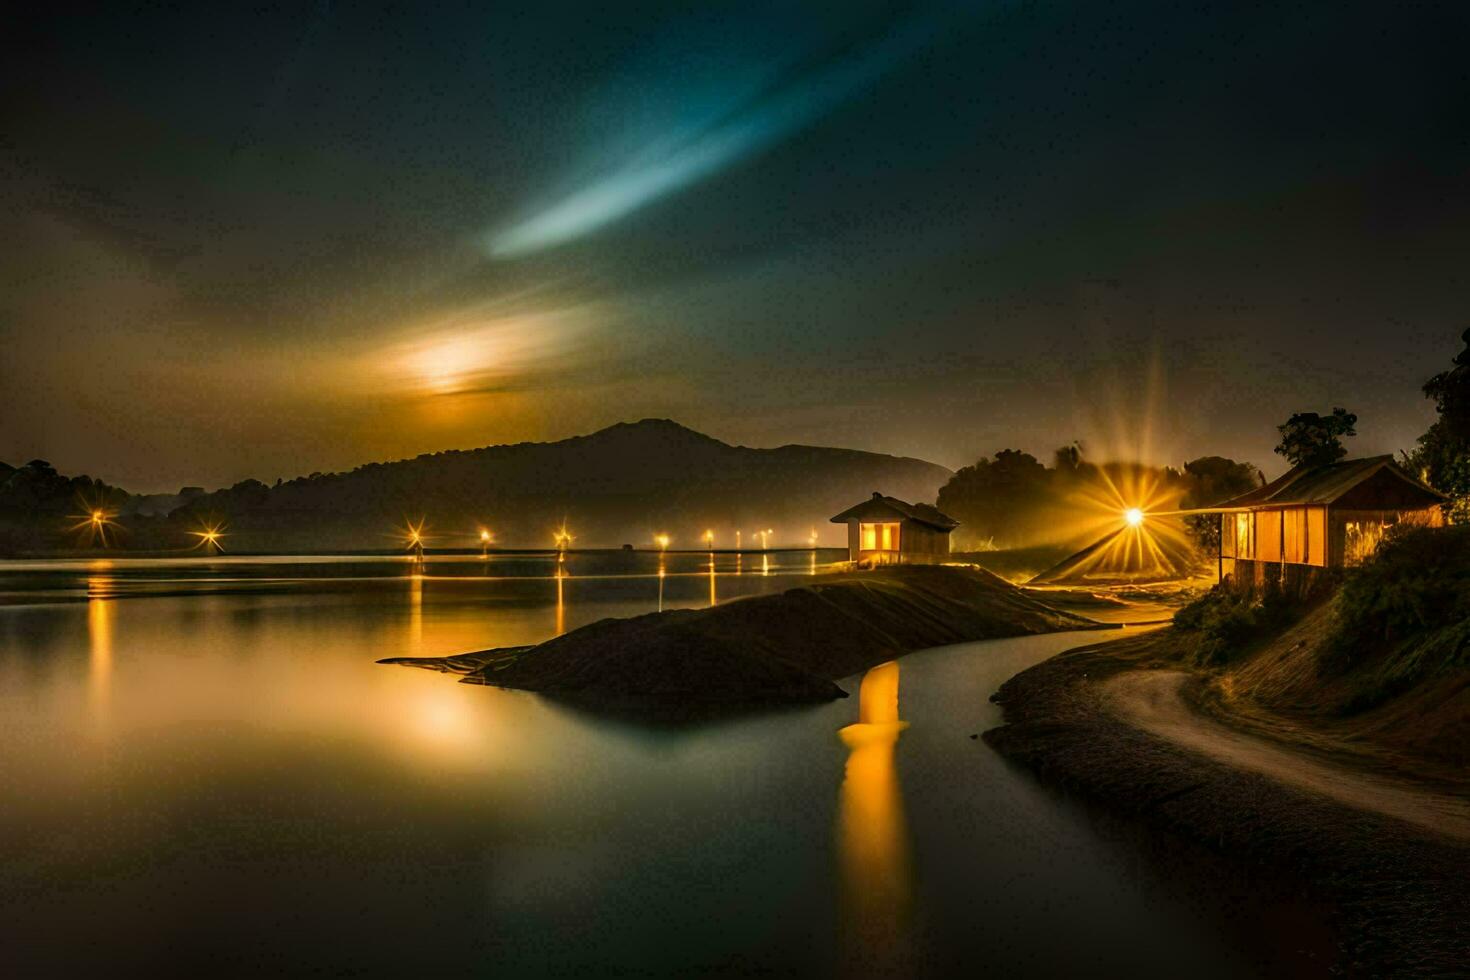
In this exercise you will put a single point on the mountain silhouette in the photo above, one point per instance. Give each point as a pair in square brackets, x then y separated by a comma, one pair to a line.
[622, 484]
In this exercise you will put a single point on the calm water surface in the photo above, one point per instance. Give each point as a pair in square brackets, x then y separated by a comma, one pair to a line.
[203, 768]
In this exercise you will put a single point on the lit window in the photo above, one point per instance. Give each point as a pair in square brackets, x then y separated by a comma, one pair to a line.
[879, 537]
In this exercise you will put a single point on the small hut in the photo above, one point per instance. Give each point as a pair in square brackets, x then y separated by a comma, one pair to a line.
[887, 530]
[1320, 517]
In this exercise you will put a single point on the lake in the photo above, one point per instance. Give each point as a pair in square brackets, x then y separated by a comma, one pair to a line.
[204, 769]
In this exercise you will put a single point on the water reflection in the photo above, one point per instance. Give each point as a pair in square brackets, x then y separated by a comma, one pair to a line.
[561, 602]
[416, 611]
[100, 614]
[277, 765]
[712, 579]
[872, 834]
[661, 584]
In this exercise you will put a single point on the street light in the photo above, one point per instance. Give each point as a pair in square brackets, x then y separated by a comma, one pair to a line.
[209, 538]
[415, 538]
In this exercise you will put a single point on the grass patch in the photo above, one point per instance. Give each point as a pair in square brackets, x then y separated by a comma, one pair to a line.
[1403, 617]
[1223, 625]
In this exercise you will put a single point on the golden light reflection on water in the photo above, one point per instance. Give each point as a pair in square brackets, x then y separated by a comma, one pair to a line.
[561, 602]
[100, 615]
[872, 834]
[415, 639]
[711, 579]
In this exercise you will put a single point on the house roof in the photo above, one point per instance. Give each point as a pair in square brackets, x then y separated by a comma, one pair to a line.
[879, 506]
[1322, 484]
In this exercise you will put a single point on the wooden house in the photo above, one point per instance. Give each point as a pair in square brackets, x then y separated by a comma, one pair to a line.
[886, 529]
[1318, 518]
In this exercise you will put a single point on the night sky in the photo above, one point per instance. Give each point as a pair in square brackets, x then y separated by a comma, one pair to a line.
[288, 239]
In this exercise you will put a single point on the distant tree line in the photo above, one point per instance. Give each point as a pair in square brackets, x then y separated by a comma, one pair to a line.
[1013, 500]
[40, 508]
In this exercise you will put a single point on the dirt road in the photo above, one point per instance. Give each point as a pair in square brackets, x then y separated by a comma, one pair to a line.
[1150, 700]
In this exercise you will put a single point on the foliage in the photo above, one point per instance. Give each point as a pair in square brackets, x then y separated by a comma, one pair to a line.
[1442, 456]
[1003, 500]
[1404, 616]
[39, 505]
[1417, 581]
[1309, 439]
[1223, 623]
[1212, 479]
[1015, 501]
[37, 491]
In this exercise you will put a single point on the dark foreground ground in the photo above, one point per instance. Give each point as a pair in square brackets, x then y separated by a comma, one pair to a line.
[791, 647]
[1400, 893]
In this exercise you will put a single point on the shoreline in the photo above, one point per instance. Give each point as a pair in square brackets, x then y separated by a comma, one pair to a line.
[1398, 895]
[777, 648]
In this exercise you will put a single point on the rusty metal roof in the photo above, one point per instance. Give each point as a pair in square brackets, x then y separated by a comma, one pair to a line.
[879, 506]
[1321, 484]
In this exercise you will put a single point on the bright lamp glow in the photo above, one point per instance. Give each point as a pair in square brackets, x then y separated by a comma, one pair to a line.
[1133, 516]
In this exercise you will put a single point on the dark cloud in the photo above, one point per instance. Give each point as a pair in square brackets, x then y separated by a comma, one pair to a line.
[235, 235]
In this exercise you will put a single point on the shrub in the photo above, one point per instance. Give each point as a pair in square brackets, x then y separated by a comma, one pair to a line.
[1224, 623]
[1418, 582]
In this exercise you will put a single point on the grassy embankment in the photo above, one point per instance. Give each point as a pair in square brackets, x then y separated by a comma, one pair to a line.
[788, 647]
[1375, 676]
[1381, 668]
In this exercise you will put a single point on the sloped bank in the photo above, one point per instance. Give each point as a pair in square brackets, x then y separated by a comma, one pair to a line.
[1348, 682]
[790, 647]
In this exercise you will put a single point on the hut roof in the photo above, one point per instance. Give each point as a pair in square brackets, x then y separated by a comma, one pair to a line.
[1325, 484]
[879, 507]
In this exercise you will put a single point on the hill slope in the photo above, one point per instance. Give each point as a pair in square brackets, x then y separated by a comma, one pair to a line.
[1381, 667]
[622, 484]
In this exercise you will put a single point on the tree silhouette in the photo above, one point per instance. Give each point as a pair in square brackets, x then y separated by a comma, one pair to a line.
[1443, 453]
[1309, 439]
[1212, 479]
